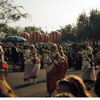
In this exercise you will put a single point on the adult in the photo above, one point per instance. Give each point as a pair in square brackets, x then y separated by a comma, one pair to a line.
[88, 67]
[15, 56]
[74, 85]
[97, 84]
[54, 64]
[3, 65]
[36, 63]
[32, 64]
[61, 51]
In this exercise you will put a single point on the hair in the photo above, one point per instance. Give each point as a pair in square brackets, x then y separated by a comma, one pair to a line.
[61, 51]
[32, 47]
[55, 47]
[5, 89]
[76, 86]
[60, 48]
[64, 94]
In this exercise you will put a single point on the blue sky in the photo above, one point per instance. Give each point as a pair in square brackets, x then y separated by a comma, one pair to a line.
[51, 14]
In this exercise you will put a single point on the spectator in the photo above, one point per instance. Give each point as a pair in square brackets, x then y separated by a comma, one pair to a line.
[15, 56]
[97, 84]
[74, 85]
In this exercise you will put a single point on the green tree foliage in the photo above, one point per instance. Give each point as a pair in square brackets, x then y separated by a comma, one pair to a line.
[8, 30]
[95, 24]
[87, 26]
[82, 26]
[31, 29]
[68, 33]
[10, 12]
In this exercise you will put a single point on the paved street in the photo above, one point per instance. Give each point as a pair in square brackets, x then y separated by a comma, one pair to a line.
[15, 79]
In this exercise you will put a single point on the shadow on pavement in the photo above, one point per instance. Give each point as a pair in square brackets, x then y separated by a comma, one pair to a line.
[26, 85]
[22, 86]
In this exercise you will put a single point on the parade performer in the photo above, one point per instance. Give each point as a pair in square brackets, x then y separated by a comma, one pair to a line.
[64, 67]
[36, 63]
[61, 51]
[54, 64]
[32, 64]
[3, 65]
[88, 66]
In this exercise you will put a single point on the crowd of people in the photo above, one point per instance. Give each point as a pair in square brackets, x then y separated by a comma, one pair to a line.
[56, 60]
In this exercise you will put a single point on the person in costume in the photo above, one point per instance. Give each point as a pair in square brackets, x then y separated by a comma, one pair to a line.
[32, 64]
[27, 63]
[61, 51]
[3, 65]
[88, 67]
[53, 62]
[36, 63]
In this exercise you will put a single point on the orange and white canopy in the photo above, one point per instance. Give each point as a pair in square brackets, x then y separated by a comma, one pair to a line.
[25, 35]
[36, 37]
[54, 36]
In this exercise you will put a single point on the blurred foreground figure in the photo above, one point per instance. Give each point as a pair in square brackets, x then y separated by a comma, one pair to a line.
[74, 85]
[5, 89]
[64, 94]
[97, 84]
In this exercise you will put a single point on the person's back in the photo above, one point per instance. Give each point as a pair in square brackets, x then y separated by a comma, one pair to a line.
[15, 57]
[97, 85]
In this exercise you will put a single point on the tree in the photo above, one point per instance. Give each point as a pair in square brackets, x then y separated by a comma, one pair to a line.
[33, 28]
[83, 26]
[10, 12]
[95, 24]
[68, 33]
[5, 29]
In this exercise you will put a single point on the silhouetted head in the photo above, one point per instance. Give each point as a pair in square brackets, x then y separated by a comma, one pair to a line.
[74, 85]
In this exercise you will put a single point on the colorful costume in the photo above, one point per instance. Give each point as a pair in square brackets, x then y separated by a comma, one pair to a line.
[3, 65]
[32, 65]
[55, 69]
[87, 66]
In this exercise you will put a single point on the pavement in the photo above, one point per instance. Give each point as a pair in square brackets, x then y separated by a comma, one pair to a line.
[22, 89]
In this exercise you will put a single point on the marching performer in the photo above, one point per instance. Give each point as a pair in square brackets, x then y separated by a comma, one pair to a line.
[36, 63]
[53, 63]
[3, 65]
[32, 64]
[88, 66]
[62, 52]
